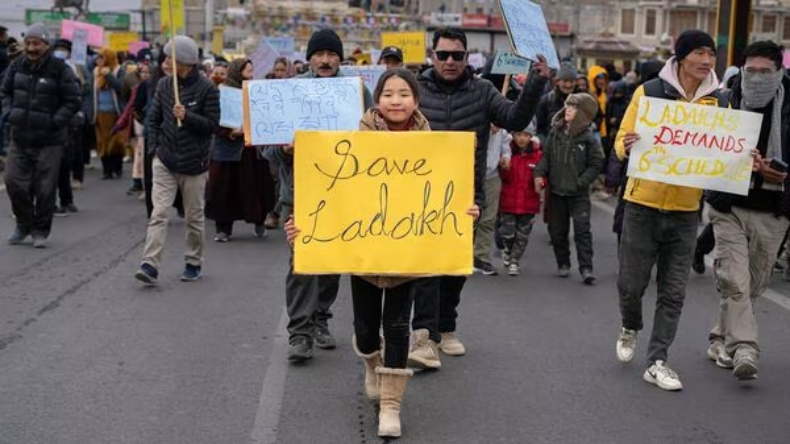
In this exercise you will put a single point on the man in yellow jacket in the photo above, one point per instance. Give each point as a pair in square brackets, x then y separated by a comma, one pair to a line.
[660, 222]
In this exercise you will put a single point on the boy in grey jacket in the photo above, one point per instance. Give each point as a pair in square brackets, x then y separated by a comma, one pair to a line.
[571, 161]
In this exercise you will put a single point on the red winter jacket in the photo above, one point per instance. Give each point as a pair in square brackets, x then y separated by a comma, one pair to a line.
[518, 184]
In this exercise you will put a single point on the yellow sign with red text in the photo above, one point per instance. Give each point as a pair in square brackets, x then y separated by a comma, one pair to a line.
[383, 203]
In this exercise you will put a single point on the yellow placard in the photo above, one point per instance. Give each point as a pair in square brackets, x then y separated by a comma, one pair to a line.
[384, 203]
[217, 40]
[177, 23]
[411, 43]
[363, 59]
[120, 41]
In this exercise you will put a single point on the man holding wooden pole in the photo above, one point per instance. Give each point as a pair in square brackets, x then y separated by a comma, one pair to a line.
[181, 122]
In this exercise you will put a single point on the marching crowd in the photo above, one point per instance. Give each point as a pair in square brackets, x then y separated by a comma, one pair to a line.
[544, 144]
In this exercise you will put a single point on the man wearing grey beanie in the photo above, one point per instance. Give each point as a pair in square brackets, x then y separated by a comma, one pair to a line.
[40, 97]
[180, 134]
[554, 101]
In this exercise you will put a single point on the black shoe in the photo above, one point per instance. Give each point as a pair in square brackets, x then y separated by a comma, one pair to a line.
[485, 268]
[71, 208]
[699, 263]
[61, 212]
[323, 339]
[300, 350]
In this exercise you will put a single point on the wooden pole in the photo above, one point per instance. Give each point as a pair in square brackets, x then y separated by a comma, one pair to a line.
[173, 57]
[506, 85]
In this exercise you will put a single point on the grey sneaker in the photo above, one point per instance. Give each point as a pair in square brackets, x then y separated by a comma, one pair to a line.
[323, 338]
[626, 345]
[17, 237]
[745, 365]
[588, 277]
[564, 271]
[39, 241]
[513, 269]
[300, 350]
[718, 354]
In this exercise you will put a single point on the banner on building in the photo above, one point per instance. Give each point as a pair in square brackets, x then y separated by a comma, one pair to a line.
[693, 145]
[384, 203]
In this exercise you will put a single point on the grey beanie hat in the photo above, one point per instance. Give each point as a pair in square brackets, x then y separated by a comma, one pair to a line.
[38, 31]
[186, 50]
[566, 72]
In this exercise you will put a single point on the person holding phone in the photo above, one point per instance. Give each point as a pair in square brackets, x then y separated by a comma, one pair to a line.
[749, 229]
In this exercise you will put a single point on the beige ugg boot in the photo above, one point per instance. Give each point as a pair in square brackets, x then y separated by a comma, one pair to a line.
[372, 361]
[393, 386]
[424, 353]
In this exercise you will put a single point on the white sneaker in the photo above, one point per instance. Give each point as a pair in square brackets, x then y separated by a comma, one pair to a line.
[626, 345]
[662, 376]
[513, 269]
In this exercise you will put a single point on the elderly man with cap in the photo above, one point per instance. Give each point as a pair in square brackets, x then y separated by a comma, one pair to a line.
[308, 297]
[554, 101]
[40, 97]
[391, 57]
[660, 221]
[180, 136]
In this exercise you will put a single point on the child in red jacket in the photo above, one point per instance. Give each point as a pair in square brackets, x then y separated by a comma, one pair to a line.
[519, 202]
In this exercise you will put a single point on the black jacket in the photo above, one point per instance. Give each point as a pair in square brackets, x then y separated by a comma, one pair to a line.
[547, 108]
[184, 150]
[473, 104]
[723, 202]
[39, 100]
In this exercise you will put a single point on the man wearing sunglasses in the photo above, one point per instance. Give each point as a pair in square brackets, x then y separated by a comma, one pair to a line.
[454, 100]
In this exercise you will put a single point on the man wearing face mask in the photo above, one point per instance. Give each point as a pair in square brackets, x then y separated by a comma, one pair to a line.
[453, 99]
[309, 297]
[749, 229]
[554, 101]
[40, 97]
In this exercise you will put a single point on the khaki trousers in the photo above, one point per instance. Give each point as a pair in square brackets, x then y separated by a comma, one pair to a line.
[484, 235]
[747, 243]
[165, 186]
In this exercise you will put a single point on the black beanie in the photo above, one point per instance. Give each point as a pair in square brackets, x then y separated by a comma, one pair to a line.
[324, 40]
[690, 40]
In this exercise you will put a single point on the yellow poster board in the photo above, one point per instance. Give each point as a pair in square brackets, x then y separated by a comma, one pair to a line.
[411, 43]
[383, 203]
[218, 40]
[177, 21]
[121, 41]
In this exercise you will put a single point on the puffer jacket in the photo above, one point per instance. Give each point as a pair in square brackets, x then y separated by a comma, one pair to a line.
[472, 104]
[184, 150]
[549, 105]
[571, 160]
[518, 195]
[40, 100]
[653, 194]
[372, 121]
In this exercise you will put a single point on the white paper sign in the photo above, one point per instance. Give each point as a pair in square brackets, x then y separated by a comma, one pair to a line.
[370, 74]
[528, 31]
[477, 60]
[231, 110]
[694, 145]
[506, 62]
[79, 47]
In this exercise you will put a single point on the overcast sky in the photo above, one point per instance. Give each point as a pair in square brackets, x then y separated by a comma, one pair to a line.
[12, 12]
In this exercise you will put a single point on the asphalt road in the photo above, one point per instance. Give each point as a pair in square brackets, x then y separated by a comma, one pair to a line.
[89, 356]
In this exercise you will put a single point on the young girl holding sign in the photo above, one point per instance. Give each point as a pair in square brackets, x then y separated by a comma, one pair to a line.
[397, 98]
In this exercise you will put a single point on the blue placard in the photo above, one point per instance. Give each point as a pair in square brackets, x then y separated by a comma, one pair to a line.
[285, 46]
[231, 109]
[506, 62]
[369, 74]
[528, 31]
[279, 108]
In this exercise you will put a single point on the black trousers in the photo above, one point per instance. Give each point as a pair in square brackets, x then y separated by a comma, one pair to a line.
[561, 211]
[65, 194]
[436, 303]
[706, 241]
[77, 153]
[31, 178]
[394, 319]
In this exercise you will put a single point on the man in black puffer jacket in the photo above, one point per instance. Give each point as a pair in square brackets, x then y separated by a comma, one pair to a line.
[454, 100]
[181, 156]
[40, 97]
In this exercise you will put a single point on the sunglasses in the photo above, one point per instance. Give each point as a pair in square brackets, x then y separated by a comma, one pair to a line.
[456, 55]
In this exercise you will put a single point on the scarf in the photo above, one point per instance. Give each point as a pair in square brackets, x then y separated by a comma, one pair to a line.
[758, 91]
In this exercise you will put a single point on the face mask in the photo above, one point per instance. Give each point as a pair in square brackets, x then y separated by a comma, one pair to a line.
[759, 89]
[63, 55]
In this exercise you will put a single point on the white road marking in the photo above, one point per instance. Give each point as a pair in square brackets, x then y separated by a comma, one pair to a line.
[770, 294]
[267, 419]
